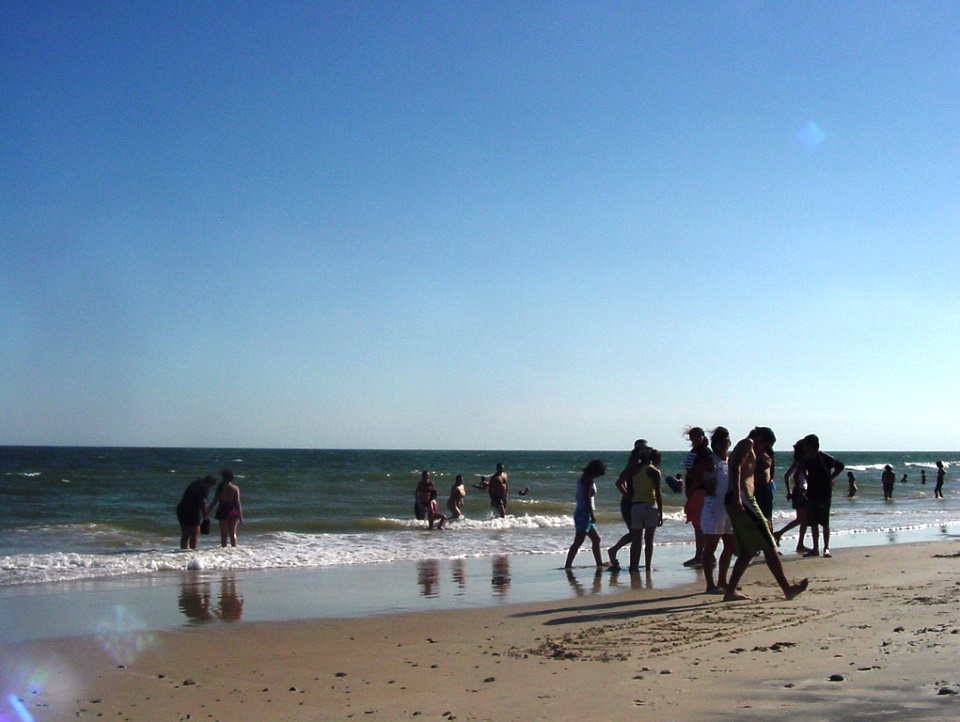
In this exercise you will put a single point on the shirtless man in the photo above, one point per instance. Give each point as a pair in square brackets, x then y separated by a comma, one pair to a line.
[749, 525]
[763, 484]
[497, 486]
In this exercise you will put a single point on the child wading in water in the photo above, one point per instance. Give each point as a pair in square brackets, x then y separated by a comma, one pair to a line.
[583, 517]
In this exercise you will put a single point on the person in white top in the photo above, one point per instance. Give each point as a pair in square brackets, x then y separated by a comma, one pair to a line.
[583, 516]
[714, 521]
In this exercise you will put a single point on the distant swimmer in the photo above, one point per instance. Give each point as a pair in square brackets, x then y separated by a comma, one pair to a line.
[888, 479]
[524, 491]
[483, 483]
[903, 479]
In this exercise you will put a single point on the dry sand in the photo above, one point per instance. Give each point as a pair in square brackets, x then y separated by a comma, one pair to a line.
[876, 637]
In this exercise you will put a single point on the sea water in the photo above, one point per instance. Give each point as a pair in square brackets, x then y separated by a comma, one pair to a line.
[77, 514]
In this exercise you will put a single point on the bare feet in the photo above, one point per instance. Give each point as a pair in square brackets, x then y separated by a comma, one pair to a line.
[797, 589]
[733, 595]
[695, 562]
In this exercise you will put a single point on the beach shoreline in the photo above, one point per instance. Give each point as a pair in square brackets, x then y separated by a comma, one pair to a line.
[171, 600]
[876, 636]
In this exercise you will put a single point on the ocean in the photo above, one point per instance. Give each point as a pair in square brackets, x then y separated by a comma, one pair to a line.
[80, 514]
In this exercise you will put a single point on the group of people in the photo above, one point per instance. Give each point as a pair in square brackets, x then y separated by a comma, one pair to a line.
[193, 513]
[729, 503]
[426, 506]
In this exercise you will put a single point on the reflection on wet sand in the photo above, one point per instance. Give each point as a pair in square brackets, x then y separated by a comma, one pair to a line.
[196, 597]
[231, 601]
[459, 569]
[195, 600]
[428, 577]
[501, 575]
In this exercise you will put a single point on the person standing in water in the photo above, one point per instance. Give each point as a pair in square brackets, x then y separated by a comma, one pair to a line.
[458, 493]
[822, 471]
[638, 457]
[694, 489]
[646, 512]
[229, 513]
[497, 486]
[941, 475]
[888, 479]
[851, 485]
[584, 518]
[192, 510]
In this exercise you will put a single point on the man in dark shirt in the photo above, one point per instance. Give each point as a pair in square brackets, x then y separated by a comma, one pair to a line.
[821, 470]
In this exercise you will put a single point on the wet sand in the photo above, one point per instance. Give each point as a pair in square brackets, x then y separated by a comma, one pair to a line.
[875, 637]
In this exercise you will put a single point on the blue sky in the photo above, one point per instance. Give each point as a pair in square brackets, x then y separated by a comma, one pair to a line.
[535, 225]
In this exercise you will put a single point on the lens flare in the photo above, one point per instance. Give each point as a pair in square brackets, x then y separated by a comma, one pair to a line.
[810, 135]
[123, 636]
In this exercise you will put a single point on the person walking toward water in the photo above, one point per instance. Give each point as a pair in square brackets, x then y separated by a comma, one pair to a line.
[941, 475]
[888, 479]
[638, 457]
[584, 518]
[497, 487]
[750, 528]
[192, 510]
[797, 496]
[715, 522]
[458, 493]
[822, 470]
[229, 513]
[646, 512]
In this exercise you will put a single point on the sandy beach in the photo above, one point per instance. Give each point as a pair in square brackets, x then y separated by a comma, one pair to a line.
[876, 636]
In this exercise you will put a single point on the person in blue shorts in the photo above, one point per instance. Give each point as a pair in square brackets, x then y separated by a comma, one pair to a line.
[584, 519]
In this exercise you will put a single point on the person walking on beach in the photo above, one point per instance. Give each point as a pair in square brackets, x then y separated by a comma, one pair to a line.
[821, 470]
[229, 513]
[888, 479]
[646, 511]
[750, 528]
[192, 510]
[638, 457]
[584, 517]
[941, 475]
[796, 482]
[694, 489]
[763, 484]
[851, 485]
[497, 487]
[458, 493]
[715, 522]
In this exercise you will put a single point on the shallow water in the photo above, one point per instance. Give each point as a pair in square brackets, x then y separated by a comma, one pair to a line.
[74, 514]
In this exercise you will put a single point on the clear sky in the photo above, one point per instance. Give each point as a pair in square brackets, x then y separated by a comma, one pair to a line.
[510, 225]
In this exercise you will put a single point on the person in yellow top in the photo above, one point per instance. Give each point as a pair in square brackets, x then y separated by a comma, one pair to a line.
[646, 510]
